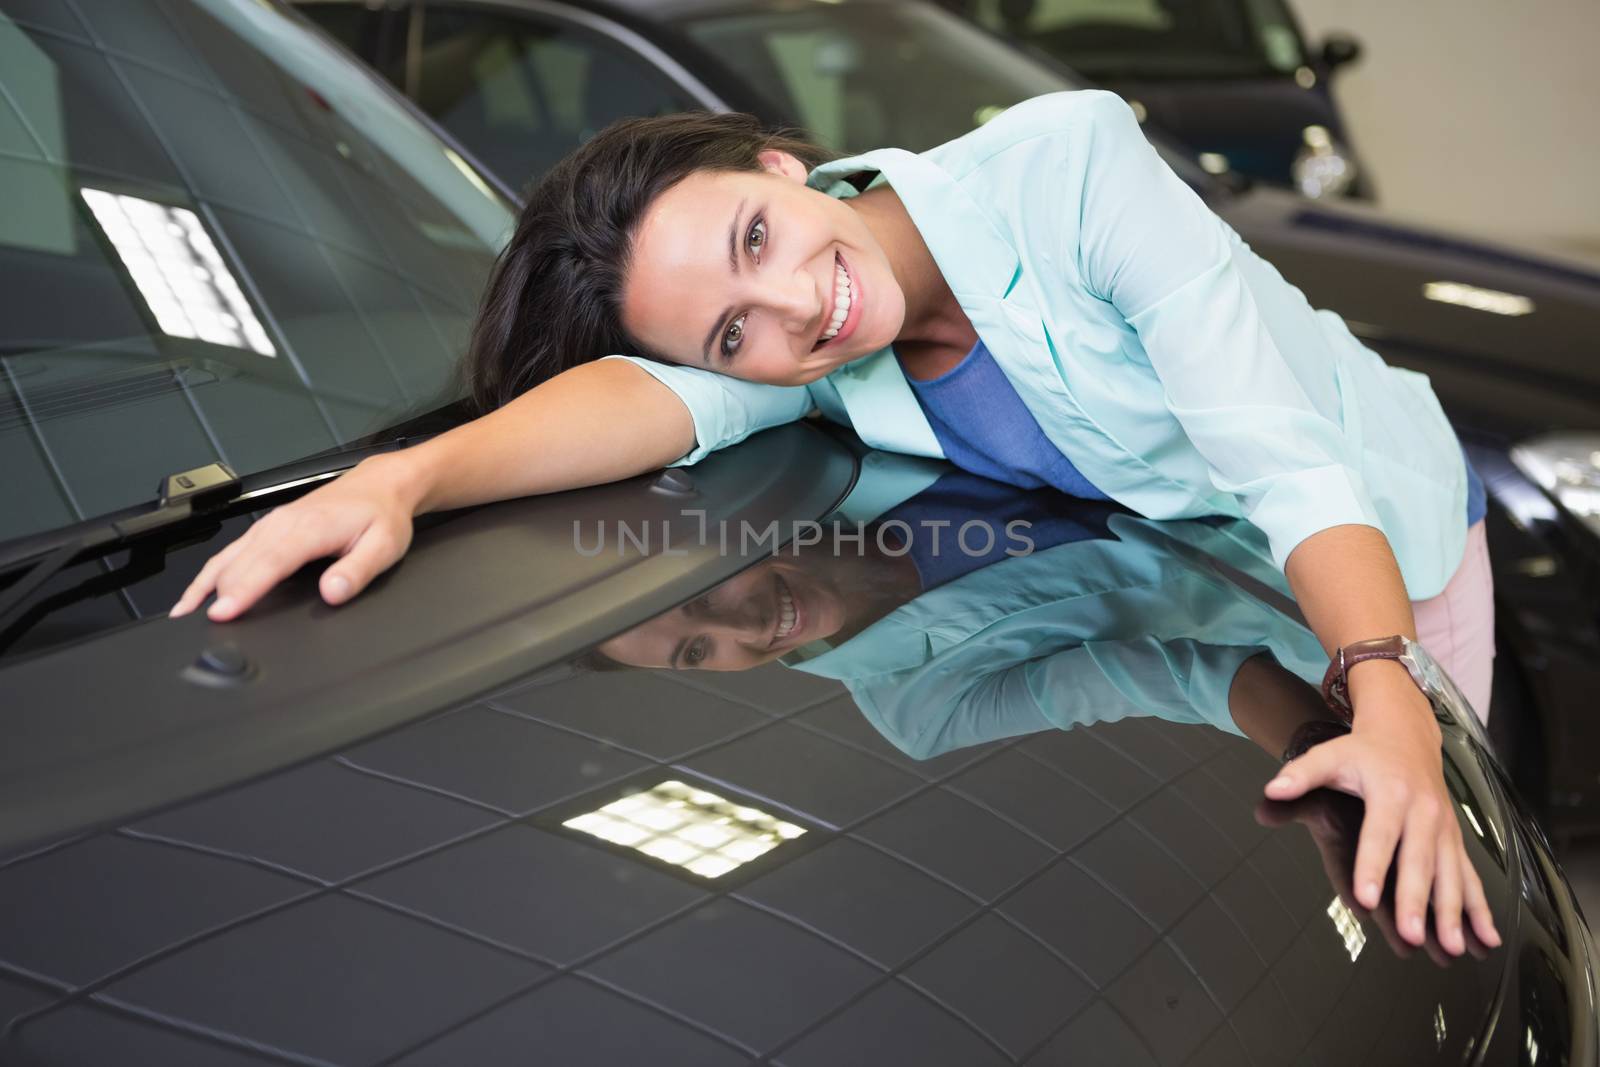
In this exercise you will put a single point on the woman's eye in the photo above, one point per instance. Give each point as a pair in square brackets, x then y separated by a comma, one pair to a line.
[734, 334]
[696, 654]
[757, 238]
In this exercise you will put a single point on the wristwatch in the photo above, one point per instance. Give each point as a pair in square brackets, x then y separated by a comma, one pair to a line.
[1336, 683]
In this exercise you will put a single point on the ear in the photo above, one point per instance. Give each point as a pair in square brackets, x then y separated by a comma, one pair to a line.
[782, 163]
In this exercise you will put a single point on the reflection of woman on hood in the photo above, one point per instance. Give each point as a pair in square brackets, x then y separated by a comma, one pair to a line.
[1085, 631]
[974, 610]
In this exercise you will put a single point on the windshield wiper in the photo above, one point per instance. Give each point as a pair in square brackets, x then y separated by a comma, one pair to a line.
[205, 494]
[183, 496]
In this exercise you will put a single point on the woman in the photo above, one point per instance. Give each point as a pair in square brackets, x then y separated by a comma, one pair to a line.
[1105, 333]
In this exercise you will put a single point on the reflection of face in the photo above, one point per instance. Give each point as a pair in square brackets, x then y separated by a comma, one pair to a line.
[740, 272]
[752, 618]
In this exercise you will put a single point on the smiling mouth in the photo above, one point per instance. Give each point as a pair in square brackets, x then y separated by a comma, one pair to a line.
[844, 297]
[788, 613]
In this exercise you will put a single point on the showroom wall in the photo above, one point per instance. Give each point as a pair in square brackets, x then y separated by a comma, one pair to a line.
[1477, 113]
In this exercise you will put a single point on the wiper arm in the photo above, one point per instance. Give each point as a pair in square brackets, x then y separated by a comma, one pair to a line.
[212, 493]
[183, 496]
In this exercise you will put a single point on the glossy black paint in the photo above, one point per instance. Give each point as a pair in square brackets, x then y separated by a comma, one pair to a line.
[1116, 891]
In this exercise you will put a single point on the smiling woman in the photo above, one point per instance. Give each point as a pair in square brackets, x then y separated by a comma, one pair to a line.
[1043, 301]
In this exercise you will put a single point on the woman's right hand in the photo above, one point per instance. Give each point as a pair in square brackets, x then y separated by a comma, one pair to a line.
[364, 517]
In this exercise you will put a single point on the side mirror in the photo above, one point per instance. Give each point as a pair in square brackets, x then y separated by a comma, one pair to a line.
[1339, 49]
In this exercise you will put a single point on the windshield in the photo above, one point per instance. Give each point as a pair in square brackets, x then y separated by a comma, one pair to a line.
[1154, 39]
[858, 75]
[236, 246]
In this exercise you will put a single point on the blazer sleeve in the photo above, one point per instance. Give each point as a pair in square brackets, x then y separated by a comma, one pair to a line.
[1181, 680]
[725, 410]
[1151, 247]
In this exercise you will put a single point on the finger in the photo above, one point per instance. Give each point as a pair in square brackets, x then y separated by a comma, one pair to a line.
[1380, 830]
[1441, 959]
[1477, 903]
[1323, 765]
[373, 552]
[1447, 897]
[1383, 919]
[248, 580]
[1419, 846]
[206, 580]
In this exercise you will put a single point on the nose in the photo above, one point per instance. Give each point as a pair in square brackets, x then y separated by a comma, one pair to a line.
[737, 618]
[796, 301]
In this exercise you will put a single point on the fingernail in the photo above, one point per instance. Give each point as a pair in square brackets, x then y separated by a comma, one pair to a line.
[1415, 925]
[1283, 781]
[338, 586]
[1370, 893]
[223, 606]
[177, 610]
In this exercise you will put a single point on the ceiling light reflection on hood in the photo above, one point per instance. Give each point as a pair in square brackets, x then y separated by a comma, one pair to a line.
[178, 271]
[1471, 296]
[1348, 927]
[687, 827]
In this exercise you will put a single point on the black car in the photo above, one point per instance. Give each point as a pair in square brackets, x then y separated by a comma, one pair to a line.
[1504, 334]
[1235, 80]
[406, 830]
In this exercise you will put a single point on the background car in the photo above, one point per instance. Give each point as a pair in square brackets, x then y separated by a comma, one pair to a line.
[1235, 80]
[1502, 332]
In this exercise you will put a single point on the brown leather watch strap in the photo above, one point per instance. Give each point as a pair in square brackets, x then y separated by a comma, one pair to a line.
[1336, 682]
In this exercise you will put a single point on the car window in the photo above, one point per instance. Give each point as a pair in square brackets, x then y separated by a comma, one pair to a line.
[521, 93]
[237, 246]
[863, 76]
[1111, 39]
[375, 34]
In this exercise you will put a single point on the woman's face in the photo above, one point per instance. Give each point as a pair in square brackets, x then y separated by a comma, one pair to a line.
[755, 275]
[752, 618]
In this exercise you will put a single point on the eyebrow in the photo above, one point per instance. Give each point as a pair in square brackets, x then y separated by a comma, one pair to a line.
[733, 265]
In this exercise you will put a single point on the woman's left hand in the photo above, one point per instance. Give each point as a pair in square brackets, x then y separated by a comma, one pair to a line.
[1392, 760]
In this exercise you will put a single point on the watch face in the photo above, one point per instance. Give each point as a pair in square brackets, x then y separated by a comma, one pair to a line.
[1447, 699]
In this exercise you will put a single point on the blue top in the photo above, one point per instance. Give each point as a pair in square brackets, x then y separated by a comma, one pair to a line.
[961, 523]
[984, 427]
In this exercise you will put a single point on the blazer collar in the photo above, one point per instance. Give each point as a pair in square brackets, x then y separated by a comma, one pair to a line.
[975, 258]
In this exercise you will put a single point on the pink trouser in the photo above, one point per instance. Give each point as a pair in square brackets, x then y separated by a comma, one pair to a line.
[1457, 626]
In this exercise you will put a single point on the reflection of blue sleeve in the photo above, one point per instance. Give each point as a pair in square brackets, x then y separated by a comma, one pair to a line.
[933, 712]
[963, 522]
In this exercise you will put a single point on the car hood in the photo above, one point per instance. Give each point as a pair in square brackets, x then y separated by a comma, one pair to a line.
[1527, 371]
[1006, 807]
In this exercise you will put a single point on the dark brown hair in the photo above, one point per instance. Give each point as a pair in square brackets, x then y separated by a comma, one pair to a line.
[555, 294]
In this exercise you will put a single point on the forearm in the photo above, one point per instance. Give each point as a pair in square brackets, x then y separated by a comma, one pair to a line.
[1348, 585]
[597, 422]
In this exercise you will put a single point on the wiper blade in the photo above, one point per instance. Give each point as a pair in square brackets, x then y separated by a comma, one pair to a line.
[183, 496]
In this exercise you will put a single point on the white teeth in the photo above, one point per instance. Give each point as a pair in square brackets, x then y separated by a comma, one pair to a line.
[841, 302]
[786, 613]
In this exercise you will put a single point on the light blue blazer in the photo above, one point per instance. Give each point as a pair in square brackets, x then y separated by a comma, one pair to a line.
[1176, 369]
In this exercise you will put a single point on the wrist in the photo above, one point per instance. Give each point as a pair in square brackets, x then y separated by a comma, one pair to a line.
[1375, 674]
[405, 474]
[1383, 694]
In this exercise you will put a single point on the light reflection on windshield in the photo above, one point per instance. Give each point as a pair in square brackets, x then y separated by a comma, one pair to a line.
[343, 250]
